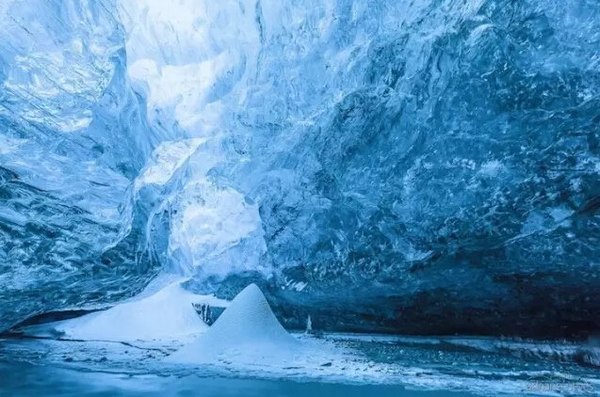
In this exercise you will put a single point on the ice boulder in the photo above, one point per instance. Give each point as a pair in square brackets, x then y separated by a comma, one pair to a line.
[247, 331]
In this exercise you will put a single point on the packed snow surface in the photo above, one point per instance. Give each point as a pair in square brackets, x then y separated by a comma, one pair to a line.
[165, 314]
[246, 331]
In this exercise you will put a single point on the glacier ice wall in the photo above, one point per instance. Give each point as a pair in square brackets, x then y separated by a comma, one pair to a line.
[73, 136]
[426, 166]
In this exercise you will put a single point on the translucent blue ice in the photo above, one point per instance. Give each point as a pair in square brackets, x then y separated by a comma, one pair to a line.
[421, 166]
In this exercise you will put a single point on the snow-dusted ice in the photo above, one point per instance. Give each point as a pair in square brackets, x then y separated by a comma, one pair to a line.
[166, 313]
[247, 331]
[168, 346]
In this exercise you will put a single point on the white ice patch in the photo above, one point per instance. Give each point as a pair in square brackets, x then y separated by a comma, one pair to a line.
[216, 230]
[168, 157]
[247, 333]
[9, 145]
[247, 330]
[491, 169]
[164, 314]
[184, 62]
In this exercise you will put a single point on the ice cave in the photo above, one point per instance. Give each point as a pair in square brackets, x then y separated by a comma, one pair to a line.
[299, 198]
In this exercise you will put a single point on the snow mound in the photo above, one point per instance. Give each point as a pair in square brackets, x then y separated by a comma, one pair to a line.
[164, 314]
[247, 331]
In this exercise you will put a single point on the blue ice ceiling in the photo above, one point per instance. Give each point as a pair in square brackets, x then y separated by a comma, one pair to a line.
[427, 166]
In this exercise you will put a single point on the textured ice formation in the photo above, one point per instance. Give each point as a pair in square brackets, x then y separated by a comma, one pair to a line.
[426, 166]
[73, 136]
[247, 331]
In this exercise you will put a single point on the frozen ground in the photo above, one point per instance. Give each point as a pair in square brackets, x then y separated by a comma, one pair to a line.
[369, 365]
[37, 381]
[134, 348]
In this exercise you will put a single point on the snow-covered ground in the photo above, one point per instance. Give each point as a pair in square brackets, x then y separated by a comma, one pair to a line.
[136, 345]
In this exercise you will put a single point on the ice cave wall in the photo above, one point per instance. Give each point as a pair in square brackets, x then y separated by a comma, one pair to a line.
[73, 136]
[424, 166]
